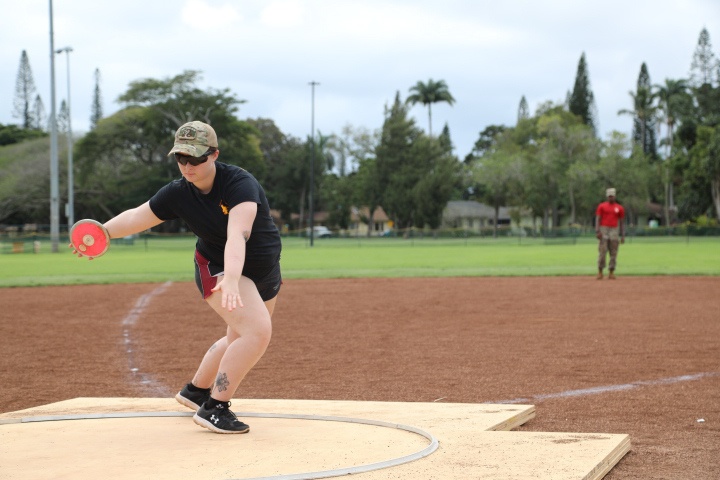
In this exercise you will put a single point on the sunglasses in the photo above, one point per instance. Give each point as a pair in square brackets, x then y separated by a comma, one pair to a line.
[194, 161]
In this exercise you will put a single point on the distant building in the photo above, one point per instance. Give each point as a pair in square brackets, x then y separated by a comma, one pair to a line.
[359, 227]
[473, 216]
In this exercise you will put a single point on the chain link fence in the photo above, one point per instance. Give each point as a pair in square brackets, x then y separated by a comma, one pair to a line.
[34, 238]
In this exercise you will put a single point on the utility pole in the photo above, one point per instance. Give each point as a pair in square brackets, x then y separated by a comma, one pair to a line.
[312, 162]
[54, 182]
[70, 206]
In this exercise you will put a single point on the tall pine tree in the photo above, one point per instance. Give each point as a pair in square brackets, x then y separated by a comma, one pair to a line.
[704, 66]
[523, 110]
[705, 81]
[96, 112]
[398, 170]
[445, 139]
[644, 114]
[63, 118]
[25, 93]
[39, 120]
[582, 100]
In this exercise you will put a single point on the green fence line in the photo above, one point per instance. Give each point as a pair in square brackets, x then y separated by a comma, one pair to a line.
[41, 244]
[33, 242]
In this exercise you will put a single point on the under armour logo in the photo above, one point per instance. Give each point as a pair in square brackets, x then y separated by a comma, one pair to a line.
[214, 419]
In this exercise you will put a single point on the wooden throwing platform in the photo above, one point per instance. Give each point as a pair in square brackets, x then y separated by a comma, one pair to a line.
[130, 438]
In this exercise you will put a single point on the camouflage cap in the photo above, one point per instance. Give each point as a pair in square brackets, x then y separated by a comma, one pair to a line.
[194, 138]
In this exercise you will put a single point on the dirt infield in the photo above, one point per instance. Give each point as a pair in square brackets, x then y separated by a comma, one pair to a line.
[635, 355]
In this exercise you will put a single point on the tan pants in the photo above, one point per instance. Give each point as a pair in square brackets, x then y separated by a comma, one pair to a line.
[610, 242]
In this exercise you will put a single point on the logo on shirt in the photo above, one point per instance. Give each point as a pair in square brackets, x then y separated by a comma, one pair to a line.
[224, 207]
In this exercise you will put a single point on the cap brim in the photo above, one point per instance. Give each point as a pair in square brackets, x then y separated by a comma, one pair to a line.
[187, 149]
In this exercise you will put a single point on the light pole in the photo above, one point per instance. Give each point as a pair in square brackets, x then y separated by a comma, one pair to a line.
[54, 182]
[70, 206]
[312, 162]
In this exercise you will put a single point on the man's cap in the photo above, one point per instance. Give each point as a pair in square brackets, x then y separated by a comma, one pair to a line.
[194, 138]
[610, 192]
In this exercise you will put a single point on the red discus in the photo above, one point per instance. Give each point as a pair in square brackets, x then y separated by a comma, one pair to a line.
[89, 238]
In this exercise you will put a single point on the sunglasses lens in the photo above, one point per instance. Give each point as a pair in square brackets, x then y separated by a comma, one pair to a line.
[194, 161]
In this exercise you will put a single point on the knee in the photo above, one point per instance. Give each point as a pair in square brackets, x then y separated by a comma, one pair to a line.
[265, 333]
[262, 332]
[221, 344]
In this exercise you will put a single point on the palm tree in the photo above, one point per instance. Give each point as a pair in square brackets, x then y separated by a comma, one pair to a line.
[644, 113]
[429, 93]
[671, 98]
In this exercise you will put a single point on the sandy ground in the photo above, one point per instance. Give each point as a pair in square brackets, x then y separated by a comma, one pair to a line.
[636, 355]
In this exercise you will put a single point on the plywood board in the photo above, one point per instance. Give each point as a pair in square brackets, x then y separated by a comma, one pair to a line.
[292, 438]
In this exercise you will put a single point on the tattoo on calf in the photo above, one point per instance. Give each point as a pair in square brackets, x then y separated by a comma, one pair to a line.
[221, 382]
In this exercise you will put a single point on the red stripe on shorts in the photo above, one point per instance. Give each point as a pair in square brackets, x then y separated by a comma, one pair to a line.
[206, 278]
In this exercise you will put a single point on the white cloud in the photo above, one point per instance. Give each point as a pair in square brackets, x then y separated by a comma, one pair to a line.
[200, 15]
[283, 14]
[362, 52]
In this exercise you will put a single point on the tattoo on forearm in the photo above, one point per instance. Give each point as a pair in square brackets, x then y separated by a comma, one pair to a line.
[221, 382]
[246, 235]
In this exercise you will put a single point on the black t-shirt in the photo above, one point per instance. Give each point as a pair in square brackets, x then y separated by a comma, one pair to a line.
[207, 214]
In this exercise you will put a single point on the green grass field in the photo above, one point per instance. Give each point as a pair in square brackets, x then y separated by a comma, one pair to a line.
[161, 259]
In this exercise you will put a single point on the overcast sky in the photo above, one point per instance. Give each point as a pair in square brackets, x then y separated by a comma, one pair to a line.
[361, 52]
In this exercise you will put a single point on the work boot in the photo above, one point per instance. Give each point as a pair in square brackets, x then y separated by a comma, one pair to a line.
[612, 275]
[599, 275]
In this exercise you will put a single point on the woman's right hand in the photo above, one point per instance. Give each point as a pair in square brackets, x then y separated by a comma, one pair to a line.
[75, 252]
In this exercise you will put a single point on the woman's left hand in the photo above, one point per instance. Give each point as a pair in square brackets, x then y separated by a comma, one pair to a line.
[230, 293]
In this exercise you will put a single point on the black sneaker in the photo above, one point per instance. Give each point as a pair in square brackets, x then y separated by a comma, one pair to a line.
[219, 420]
[190, 399]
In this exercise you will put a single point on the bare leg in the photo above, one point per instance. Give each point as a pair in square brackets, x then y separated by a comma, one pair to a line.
[206, 372]
[208, 369]
[248, 335]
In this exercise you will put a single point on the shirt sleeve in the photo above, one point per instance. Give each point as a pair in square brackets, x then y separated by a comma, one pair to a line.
[240, 189]
[161, 203]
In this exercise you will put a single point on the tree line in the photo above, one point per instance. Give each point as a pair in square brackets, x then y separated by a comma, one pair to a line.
[550, 166]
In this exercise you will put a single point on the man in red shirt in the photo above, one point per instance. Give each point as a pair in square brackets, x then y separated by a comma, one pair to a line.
[610, 230]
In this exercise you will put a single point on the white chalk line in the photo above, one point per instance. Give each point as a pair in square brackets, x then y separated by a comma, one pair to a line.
[432, 447]
[612, 388]
[146, 381]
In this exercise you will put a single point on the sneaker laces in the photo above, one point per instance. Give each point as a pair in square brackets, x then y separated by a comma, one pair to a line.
[228, 411]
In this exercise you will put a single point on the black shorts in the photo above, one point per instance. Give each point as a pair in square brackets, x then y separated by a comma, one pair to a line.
[265, 275]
